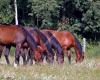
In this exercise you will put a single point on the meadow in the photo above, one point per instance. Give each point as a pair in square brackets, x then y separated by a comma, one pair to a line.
[89, 69]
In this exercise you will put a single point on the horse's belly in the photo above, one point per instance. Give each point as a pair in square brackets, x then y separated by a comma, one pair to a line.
[5, 39]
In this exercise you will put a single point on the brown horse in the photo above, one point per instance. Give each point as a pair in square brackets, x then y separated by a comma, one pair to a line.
[45, 49]
[43, 42]
[67, 40]
[48, 40]
[37, 57]
[12, 35]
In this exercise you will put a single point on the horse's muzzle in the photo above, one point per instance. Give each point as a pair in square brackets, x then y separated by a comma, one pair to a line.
[80, 59]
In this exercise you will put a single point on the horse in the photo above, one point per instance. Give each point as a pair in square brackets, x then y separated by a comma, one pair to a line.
[67, 40]
[45, 49]
[44, 43]
[55, 45]
[13, 35]
[37, 57]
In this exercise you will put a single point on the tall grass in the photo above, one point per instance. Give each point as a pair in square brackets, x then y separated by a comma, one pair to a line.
[89, 69]
[50, 72]
[93, 50]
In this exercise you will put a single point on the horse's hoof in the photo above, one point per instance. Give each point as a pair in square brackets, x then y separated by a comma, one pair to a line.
[15, 65]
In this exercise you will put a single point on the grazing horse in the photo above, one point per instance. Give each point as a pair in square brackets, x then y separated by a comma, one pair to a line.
[55, 45]
[43, 43]
[67, 40]
[37, 57]
[12, 35]
[48, 48]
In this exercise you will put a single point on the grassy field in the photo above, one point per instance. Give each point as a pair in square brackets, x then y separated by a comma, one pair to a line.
[89, 69]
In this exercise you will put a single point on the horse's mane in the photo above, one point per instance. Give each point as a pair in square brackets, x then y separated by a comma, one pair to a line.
[55, 42]
[30, 38]
[78, 44]
[44, 40]
[43, 37]
[77, 41]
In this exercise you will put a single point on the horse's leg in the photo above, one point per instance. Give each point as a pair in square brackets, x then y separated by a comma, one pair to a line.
[30, 56]
[1, 50]
[17, 54]
[6, 53]
[69, 56]
[0, 54]
[42, 57]
[49, 58]
[60, 59]
[45, 56]
[23, 54]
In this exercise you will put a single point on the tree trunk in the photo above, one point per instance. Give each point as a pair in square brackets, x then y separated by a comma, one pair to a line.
[16, 13]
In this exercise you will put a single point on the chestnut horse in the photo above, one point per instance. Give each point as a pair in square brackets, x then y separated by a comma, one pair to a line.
[67, 40]
[12, 35]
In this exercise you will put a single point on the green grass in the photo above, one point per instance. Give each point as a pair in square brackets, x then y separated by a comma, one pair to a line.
[93, 50]
[89, 69]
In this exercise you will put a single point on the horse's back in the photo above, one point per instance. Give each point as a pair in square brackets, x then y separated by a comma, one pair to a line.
[65, 38]
[33, 33]
[8, 33]
[9, 28]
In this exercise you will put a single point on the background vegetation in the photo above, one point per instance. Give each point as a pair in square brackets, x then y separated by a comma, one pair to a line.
[79, 16]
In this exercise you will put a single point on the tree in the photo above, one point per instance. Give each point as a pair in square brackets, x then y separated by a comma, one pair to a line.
[91, 20]
[16, 12]
[6, 13]
[47, 10]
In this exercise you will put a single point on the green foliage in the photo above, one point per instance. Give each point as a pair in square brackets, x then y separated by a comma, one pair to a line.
[82, 5]
[93, 50]
[6, 14]
[83, 15]
[91, 19]
[45, 9]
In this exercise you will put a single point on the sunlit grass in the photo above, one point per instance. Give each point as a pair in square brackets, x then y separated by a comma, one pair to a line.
[93, 51]
[89, 69]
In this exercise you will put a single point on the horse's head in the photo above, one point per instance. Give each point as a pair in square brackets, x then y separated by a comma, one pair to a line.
[38, 53]
[80, 57]
[79, 53]
[48, 48]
